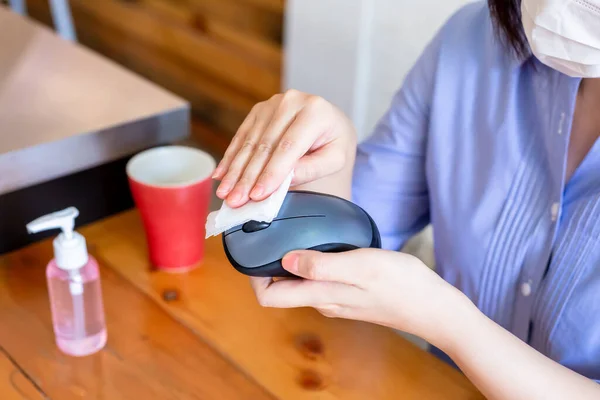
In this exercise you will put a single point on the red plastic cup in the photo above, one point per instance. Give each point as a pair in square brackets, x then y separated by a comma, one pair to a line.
[172, 188]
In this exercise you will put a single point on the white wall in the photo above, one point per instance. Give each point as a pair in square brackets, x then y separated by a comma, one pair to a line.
[356, 53]
[324, 41]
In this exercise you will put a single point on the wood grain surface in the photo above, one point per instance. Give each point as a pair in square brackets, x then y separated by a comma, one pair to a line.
[203, 335]
[149, 355]
[14, 384]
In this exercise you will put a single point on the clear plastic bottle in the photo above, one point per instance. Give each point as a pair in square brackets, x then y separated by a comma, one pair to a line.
[74, 286]
[77, 308]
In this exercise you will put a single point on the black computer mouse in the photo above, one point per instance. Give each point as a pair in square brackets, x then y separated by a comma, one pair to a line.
[306, 221]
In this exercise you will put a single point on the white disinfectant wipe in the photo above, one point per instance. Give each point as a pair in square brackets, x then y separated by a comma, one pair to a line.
[261, 211]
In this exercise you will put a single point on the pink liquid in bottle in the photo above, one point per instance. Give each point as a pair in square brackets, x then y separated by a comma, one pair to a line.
[77, 308]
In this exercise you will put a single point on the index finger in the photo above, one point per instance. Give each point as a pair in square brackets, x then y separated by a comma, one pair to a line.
[302, 293]
[260, 284]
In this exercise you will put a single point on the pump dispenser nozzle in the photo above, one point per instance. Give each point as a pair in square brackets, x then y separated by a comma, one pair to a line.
[69, 247]
[64, 220]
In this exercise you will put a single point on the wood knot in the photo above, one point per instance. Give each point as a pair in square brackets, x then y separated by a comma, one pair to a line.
[170, 295]
[311, 380]
[29, 260]
[199, 23]
[310, 345]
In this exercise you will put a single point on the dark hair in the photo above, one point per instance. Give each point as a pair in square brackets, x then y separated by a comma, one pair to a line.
[506, 15]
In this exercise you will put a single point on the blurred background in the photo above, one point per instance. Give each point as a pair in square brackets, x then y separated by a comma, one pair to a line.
[225, 55]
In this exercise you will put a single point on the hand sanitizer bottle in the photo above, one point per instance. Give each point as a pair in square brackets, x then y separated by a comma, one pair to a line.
[74, 287]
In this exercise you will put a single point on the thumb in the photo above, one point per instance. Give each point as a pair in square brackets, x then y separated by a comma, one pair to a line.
[351, 267]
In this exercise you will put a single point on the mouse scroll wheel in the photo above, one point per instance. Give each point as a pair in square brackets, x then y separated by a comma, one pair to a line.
[255, 226]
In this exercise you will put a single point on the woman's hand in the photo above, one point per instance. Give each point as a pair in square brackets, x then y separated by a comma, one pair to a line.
[397, 290]
[382, 287]
[291, 131]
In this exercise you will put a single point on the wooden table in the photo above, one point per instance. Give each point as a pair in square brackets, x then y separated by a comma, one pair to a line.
[200, 335]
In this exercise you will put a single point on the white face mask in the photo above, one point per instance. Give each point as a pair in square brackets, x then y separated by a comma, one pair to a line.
[564, 34]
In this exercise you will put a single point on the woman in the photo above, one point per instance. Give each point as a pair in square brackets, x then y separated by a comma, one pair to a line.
[493, 140]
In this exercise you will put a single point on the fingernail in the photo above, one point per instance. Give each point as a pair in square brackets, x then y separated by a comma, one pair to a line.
[234, 197]
[290, 262]
[217, 172]
[257, 191]
[224, 188]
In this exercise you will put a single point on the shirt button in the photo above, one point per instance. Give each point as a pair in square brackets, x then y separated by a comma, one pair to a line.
[554, 211]
[526, 289]
[561, 123]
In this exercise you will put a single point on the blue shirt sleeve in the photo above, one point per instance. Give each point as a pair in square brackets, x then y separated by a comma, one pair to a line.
[390, 180]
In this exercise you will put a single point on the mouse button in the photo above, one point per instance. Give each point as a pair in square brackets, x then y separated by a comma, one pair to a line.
[298, 203]
[232, 230]
[260, 248]
[254, 250]
[343, 222]
[348, 227]
[255, 226]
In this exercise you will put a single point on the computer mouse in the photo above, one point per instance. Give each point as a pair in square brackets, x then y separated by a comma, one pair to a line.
[306, 221]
